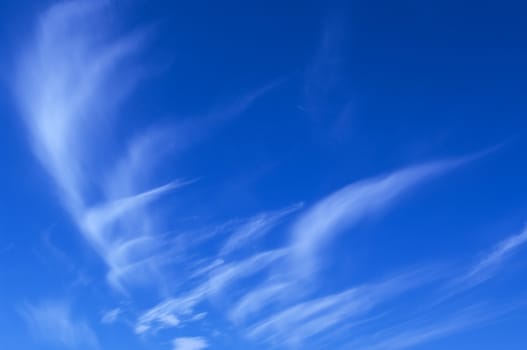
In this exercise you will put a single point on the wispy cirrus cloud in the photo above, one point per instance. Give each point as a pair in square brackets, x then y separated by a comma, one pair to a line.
[64, 84]
[301, 318]
[255, 227]
[63, 87]
[414, 334]
[346, 207]
[111, 316]
[54, 322]
[226, 274]
[297, 323]
[190, 343]
[323, 78]
[439, 320]
[256, 299]
[488, 265]
[170, 312]
[311, 319]
[97, 217]
[327, 95]
[69, 83]
[173, 311]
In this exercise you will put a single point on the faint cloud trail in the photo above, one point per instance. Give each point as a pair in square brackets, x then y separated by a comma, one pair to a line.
[346, 207]
[67, 83]
[53, 322]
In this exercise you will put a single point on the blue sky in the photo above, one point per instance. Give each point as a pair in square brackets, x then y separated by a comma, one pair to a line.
[263, 175]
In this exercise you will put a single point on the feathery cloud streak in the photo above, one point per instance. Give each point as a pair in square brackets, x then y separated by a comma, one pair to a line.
[319, 225]
[62, 86]
[256, 227]
[299, 322]
[171, 312]
[490, 263]
[190, 343]
[68, 82]
[111, 316]
[413, 335]
[53, 322]
[346, 207]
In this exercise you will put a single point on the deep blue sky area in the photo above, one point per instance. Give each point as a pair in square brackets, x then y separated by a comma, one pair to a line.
[189, 175]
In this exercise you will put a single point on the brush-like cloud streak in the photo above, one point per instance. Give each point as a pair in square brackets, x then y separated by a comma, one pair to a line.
[218, 279]
[299, 322]
[254, 228]
[488, 266]
[69, 80]
[190, 343]
[346, 207]
[170, 312]
[419, 335]
[60, 78]
[256, 299]
[65, 83]
[98, 217]
[324, 86]
[226, 274]
[413, 333]
[111, 316]
[53, 322]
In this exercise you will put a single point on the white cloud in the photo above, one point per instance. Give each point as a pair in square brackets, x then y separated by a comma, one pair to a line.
[68, 82]
[111, 316]
[417, 332]
[347, 206]
[297, 323]
[254, 228]
[190, 343]
[490, 263]
[412, 338]
[503, 250]
[319, 224]
[98, 217]
[257, 299]
[54, 322]
[61, 82]
[170, 312]
[217, 281]
[226, 274]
